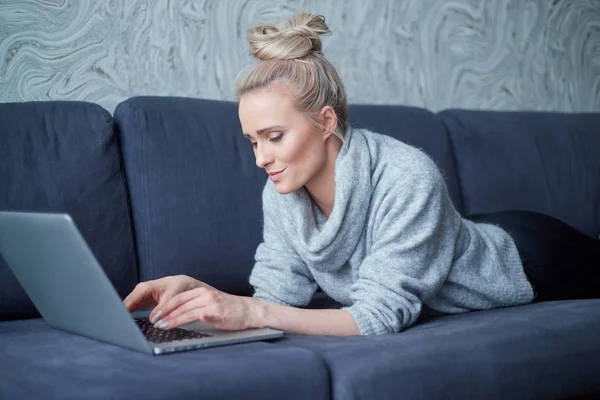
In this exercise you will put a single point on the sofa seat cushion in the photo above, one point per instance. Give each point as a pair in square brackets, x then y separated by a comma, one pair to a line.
[538, 351]
[63, 156]
[39, 362]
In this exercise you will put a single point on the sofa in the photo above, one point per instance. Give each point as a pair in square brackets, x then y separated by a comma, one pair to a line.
[169, 186]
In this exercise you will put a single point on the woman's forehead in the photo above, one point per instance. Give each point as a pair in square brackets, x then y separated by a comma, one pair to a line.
[266, 108]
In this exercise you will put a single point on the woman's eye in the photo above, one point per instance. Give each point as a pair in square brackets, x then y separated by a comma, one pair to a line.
[273, 139]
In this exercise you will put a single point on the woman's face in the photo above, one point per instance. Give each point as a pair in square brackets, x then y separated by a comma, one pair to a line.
[286, 144]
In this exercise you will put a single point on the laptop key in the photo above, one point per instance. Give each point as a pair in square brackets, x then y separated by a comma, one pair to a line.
[157, 335]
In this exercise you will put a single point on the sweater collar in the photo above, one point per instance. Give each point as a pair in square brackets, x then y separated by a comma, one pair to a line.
[327, 244]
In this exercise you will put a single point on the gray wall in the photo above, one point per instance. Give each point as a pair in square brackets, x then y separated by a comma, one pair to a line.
[489, 54]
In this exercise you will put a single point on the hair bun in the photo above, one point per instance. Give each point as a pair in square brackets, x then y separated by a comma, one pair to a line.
[295, 38]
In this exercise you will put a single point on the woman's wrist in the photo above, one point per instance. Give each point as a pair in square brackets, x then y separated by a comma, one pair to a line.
[262, 314]
[257, 312]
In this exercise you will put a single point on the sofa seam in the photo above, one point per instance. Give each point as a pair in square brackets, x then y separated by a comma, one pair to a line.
[111, 127]
[142, 222]
[322, 359]
[455, 161]
[121, 159]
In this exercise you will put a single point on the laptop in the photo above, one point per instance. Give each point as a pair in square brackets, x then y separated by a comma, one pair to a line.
[64, 280]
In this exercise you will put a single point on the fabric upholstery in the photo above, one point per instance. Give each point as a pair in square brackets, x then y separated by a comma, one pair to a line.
[195, 189]
[64, 157]
[538, 161]
[195, 199]
[538, 351]
[39, 362]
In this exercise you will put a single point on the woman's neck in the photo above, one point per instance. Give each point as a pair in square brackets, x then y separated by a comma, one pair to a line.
[322, 187]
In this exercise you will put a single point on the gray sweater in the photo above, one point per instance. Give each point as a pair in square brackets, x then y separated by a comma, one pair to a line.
[393, 245]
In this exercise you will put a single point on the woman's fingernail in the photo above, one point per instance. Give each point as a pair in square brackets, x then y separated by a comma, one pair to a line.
[155, 318]
[162, 324]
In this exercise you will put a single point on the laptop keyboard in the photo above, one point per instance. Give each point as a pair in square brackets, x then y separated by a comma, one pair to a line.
[157, 335]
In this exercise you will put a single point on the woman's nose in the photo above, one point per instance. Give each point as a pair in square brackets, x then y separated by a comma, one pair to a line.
[262, 157]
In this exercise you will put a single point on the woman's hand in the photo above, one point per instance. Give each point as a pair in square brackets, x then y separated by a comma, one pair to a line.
[209, 305]
[159, 291]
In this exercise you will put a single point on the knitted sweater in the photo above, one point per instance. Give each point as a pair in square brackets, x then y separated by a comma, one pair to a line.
[393, 244]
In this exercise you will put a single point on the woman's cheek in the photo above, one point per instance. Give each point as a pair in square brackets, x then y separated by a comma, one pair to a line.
[294, 150]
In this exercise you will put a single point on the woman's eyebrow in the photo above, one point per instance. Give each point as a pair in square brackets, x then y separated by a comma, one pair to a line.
[263, 130]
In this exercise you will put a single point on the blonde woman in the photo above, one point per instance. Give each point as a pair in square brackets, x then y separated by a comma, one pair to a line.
[363, 216]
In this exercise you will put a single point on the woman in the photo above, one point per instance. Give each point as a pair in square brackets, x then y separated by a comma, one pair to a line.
[365, 217]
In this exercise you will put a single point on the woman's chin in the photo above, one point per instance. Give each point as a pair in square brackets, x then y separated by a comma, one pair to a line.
[282, 188]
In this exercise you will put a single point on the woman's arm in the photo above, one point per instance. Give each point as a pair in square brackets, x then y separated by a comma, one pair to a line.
[230, 312]
[279, 274]
[302, 321]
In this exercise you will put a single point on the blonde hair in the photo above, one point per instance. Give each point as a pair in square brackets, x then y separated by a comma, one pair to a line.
[290, 53]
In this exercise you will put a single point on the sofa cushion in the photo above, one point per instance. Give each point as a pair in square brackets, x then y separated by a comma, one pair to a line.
[39, 362]
[539, 351]
[416, 127]
[64, 157]
[195, 189]
[538, 161]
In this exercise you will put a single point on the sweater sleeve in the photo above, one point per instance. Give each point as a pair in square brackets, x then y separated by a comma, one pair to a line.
[279, 274]
[413, 248]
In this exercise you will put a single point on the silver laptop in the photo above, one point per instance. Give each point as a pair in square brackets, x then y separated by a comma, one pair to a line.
[59, 272]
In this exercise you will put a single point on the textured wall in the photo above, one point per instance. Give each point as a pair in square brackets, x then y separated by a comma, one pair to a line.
[501, 54]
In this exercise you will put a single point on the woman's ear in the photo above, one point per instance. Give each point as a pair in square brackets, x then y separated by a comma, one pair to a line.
[328, 121]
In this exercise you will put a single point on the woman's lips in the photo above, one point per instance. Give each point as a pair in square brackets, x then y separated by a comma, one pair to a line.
[276, 175]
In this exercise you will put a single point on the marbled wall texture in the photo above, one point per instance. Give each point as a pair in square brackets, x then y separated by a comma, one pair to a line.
[488, 54]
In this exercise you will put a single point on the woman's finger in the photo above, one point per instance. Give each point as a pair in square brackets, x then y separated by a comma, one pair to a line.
[164, 309]
[135, 299]
[192, 315]
[132, 299]
[195, 303]
[156, 313]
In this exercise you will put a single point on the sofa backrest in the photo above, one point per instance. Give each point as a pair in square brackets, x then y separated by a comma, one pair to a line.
[196, 191]
[64, 157]
[539, 161]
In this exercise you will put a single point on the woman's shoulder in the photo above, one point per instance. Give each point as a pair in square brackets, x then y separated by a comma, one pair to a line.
[402, 175]
[392, 159]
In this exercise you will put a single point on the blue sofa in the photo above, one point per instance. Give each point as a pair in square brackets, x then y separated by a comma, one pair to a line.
[169, 186]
